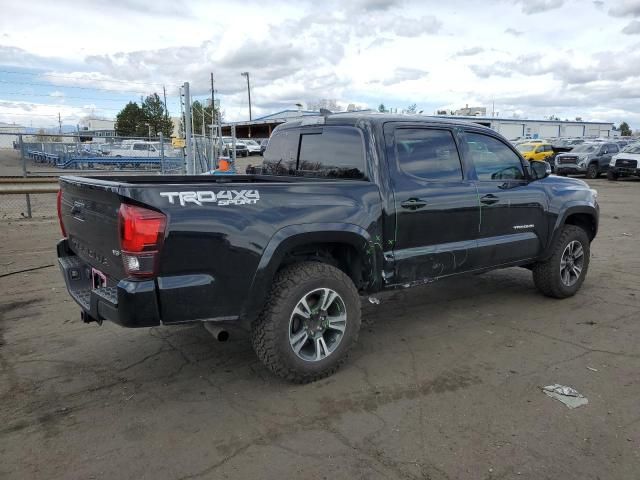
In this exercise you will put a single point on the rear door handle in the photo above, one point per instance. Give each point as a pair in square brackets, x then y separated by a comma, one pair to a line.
[413, 204]
[489, 199]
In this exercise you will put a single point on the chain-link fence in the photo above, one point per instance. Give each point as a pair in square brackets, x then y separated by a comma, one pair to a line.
[40, 155]
[23, 154]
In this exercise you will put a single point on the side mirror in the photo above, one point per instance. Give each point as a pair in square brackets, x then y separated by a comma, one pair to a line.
[539, 170]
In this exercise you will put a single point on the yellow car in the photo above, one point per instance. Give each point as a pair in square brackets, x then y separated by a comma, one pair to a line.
[538, 152]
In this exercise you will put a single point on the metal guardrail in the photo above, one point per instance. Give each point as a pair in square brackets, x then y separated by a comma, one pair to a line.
[13, 186]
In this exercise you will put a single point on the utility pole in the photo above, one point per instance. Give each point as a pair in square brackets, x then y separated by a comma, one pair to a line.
[213, 102]
[246, 74]
[213, 122]
[187, 127]
[164, 93]
[59, 124]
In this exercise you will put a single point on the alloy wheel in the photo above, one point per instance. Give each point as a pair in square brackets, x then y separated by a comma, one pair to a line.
[317, 324]
[571, 263]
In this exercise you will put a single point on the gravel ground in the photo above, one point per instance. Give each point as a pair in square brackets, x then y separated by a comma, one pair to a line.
[443, 384]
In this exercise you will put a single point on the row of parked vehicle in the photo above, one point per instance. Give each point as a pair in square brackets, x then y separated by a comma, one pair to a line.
[589, 157]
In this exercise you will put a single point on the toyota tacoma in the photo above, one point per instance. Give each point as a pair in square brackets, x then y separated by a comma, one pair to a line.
[346, 205]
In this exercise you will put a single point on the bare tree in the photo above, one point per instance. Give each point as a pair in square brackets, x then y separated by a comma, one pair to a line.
[327, 103]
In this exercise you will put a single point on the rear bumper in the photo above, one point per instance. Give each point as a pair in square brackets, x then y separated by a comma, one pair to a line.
[145, 303]
[127, 303]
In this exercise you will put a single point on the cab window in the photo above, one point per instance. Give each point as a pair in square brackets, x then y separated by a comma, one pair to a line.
[335, 152]
[428, 153]
[493, 159]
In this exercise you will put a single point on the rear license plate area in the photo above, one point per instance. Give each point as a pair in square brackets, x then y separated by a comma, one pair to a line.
[98, 279]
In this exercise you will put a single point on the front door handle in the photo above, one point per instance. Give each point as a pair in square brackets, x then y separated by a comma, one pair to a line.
[413, 204]
[489, 199]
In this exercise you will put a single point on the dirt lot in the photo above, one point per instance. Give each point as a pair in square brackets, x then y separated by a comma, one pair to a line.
[444, 383]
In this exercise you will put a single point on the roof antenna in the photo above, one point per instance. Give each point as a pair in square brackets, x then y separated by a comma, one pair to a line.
[325, 113]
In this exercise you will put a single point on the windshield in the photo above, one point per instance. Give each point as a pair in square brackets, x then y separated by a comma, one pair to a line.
[635, 148]
[585, 148]
[525, 148]
[250, 142]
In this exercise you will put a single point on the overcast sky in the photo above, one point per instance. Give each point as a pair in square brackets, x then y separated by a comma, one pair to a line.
[533, 58]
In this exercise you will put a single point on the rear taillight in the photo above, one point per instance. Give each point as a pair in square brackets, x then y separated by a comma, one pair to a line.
[141, 236]
[59, 206]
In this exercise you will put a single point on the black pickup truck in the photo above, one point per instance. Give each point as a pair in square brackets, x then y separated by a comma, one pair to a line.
[345, 205]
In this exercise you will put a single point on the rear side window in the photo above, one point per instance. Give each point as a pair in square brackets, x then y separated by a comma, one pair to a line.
[335, 153]
[280, 157]
[493, 159]
[331, 152]
[429, 154]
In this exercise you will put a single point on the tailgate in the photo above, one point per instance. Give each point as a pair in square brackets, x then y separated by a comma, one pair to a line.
[89, 212]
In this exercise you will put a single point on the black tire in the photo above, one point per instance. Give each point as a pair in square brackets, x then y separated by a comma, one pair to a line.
[592, 171]
[613, 176]
[546, 275]
[270, 331]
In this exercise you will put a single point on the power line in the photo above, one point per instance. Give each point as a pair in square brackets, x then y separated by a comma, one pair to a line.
[201, 108]
[64, 96]
[75, 77]
[36, 84]
[84, 112]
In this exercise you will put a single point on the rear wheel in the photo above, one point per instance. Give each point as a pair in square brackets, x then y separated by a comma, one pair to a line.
[592, 171]
[564, 272]
[309, 323]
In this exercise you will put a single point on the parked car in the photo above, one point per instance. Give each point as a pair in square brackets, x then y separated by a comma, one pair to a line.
[241, 148]
[252, 146]
[135, 149]
[626, 163]
[539, 152]
[263, 145]
[290, 255]
[590, 159]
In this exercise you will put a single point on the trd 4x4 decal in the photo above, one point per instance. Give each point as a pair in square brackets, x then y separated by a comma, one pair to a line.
[222, 198]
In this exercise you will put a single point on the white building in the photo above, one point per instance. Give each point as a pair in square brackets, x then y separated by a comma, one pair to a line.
[513, 128]
[93, 124]
[6, 141]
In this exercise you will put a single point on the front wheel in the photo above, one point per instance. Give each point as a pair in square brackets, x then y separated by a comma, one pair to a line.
[593, 172]
[562, 275]
[309, 323]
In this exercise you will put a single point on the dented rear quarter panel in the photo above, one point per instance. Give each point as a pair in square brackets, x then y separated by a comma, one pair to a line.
[230, 242]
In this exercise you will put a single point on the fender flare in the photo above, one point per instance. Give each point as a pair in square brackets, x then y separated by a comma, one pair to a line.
[570, 209]
[287, 238]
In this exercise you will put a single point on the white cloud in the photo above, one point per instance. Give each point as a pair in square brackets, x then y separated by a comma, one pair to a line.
[363, 52]
[538, 6]
[632, 28]
[625, 8]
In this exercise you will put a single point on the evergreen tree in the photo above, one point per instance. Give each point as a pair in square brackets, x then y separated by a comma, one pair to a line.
[156, 116]
[625, 131]
[130, 121]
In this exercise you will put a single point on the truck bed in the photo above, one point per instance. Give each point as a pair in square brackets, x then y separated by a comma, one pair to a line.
[218, 231]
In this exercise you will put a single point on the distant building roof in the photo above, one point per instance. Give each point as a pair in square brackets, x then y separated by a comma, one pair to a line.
[10, 125]
[474, 118]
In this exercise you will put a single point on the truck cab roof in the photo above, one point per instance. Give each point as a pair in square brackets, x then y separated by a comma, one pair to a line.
[353, 119]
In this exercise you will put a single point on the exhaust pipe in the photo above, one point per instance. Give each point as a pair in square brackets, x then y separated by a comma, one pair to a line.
[218, 333]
